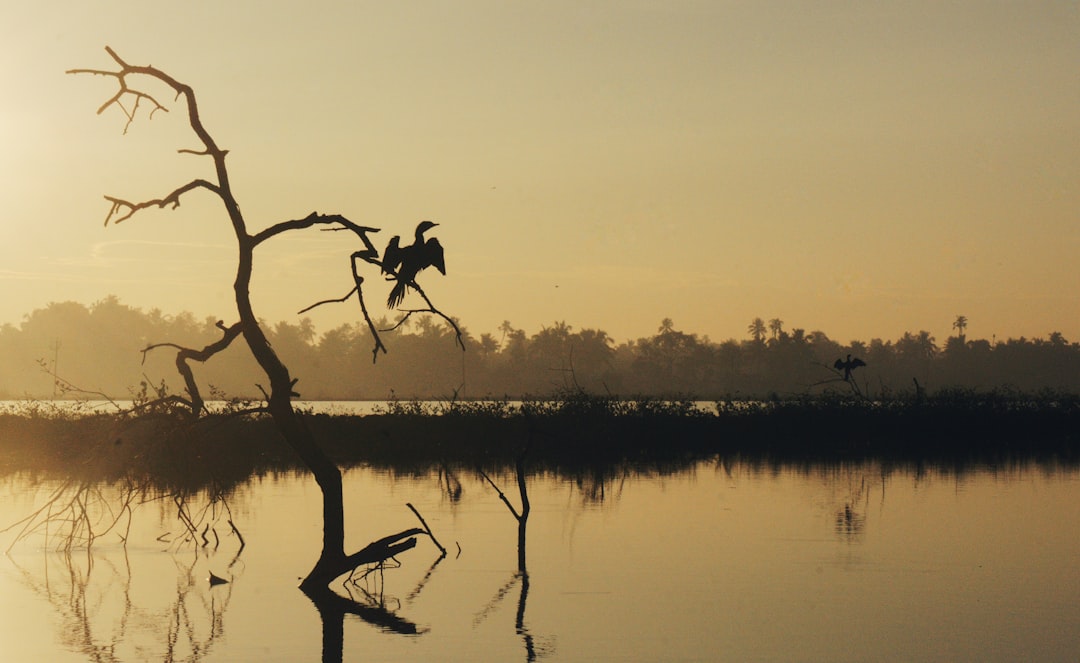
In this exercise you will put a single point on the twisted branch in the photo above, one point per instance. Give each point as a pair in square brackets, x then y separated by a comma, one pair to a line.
[185, 354]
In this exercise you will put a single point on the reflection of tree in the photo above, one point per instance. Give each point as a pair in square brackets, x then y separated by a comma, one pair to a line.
[372, 608]
[79, 511]
[366, 598]
[593, 484]
[522, 573]
[103, 618]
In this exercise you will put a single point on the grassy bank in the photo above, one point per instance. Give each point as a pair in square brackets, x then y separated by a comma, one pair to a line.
[573, 435]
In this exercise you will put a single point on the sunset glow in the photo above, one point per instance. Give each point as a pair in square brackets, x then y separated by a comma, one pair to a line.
[864, 170]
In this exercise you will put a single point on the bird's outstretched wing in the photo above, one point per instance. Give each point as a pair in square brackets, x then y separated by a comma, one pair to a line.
[856, 362]
[392, 256]
[839, 365]
[434, 255]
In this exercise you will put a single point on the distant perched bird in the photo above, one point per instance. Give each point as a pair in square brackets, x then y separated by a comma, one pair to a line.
[848, 366]
[403, 263]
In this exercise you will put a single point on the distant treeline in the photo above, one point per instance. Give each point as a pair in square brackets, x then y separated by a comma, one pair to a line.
[98, 348]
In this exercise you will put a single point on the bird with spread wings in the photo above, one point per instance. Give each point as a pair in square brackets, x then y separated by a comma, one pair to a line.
[403, 263]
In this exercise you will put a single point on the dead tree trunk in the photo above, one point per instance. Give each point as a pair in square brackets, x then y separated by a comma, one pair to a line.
[333, 560]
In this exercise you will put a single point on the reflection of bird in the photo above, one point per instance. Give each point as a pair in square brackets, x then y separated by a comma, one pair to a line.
[405, 262]
[216, 580]
[848, 366]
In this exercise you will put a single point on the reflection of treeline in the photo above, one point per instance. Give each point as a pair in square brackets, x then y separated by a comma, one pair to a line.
[99, 348]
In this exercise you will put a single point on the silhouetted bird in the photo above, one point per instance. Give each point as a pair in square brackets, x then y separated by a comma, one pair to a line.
[848, 366]
[403, 263]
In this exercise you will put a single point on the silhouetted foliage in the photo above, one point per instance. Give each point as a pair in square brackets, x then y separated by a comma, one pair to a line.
[97, 348]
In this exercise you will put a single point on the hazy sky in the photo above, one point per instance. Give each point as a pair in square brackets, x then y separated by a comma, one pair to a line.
[859, 168]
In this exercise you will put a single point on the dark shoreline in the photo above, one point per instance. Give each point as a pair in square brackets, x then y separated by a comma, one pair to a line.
[571, 436]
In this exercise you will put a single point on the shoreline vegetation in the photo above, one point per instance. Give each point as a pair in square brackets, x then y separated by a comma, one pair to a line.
[573, 435]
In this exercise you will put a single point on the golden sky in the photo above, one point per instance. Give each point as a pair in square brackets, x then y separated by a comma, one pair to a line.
[859, 168]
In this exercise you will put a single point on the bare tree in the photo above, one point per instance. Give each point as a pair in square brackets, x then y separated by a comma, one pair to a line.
[131, 95]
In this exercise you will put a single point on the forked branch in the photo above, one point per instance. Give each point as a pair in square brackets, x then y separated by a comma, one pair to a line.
[122, 210]
[184, 355]
[430, 309]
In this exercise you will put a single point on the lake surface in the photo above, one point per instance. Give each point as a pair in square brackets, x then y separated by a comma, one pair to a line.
[724, 562]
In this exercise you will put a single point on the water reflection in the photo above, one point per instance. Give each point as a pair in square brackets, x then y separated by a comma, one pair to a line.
[849, 522]
[373, 610]
[104, 614]
[521, 576]
[852, 487]
[365, 597]
[775, 561]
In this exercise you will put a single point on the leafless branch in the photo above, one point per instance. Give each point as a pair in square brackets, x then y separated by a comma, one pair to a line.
[122, 210]
[184, 354]
[338, 300]
[359, 281]
[430, 309]
[315, 219]
[179, 88]
[67, 387]
[124, 90]
[382, 549]
[426, 528]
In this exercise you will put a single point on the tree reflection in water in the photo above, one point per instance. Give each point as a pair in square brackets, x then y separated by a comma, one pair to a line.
[367, 599]
[332, 609]
[101, 616]
[532, 652]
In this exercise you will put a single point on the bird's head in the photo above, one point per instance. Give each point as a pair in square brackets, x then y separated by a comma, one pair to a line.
[424, 227]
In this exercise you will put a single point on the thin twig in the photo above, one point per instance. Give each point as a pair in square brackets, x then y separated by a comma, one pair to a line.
[426, 528]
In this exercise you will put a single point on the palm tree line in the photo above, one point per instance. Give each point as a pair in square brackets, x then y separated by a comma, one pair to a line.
[98, 348]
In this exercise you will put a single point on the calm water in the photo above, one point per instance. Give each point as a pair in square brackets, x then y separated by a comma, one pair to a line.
[722, 563]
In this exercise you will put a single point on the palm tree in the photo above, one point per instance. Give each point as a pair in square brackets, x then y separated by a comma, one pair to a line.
[960, 324]
[507, 329]
[776, 326]
[756, 328]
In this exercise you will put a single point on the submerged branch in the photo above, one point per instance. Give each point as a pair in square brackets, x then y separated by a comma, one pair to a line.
[502, 496]
[426, 528]
[382, 549]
